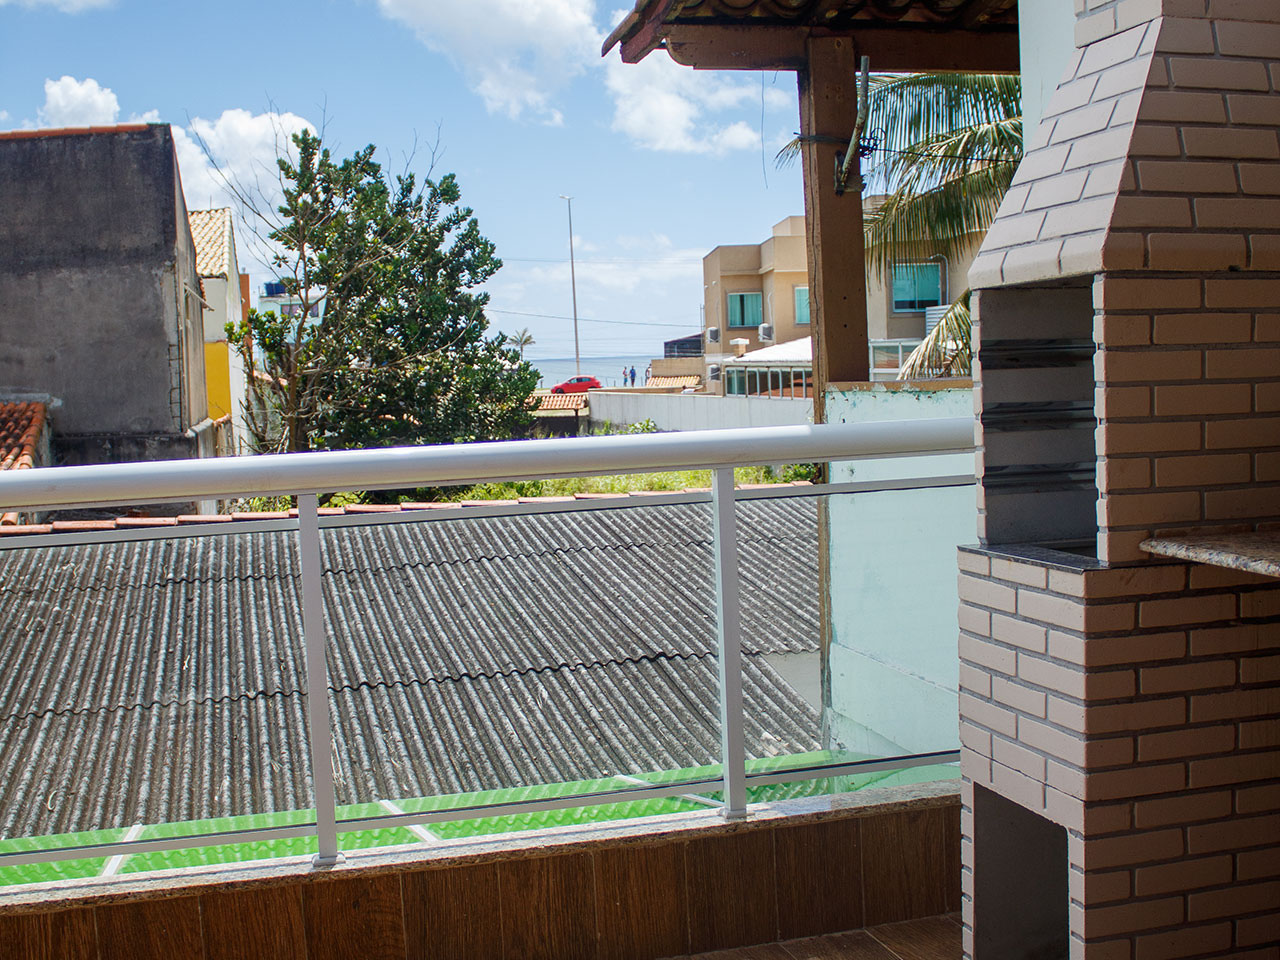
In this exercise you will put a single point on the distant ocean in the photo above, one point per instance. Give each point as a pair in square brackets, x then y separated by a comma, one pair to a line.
[608, 370]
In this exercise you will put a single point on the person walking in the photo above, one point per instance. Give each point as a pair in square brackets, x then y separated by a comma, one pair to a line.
[633, 376]
[648, 374]
[624, 374]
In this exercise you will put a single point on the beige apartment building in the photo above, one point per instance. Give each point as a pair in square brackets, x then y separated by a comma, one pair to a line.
[756, 296]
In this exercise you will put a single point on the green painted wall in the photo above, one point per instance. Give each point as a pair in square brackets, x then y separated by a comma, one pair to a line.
[892, 668]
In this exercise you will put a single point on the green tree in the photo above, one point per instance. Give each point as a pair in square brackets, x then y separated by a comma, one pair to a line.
[387, 344]
[950, 145]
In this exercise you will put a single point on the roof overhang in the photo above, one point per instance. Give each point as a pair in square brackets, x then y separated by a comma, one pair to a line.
[964, 35]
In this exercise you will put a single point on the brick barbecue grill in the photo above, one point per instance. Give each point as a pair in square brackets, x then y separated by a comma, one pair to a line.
[1120, 715]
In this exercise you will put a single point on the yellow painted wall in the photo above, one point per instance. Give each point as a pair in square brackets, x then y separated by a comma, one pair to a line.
[217, 376]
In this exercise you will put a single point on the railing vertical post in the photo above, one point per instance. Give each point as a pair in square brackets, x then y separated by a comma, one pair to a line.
[729, 634]
[318, 719]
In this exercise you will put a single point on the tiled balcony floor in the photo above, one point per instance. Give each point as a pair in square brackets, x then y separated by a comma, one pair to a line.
[934, 938]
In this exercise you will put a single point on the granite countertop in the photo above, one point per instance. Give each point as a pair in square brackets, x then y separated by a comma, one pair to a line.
[1251, 552]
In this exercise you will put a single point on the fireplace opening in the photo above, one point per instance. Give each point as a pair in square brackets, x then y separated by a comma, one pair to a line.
[1020, 891]
[1038, 418]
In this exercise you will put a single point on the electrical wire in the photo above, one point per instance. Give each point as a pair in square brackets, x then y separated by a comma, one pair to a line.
[600, 260]
[623, 323]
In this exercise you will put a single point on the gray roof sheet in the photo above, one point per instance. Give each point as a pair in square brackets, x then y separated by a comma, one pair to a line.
[162, 680]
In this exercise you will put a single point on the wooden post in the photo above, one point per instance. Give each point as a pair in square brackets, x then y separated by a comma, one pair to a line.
[837, 276]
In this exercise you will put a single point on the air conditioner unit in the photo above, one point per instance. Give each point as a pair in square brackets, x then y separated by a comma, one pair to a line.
[713, 334]
[933, 315]
[713, 372]
[765, 333]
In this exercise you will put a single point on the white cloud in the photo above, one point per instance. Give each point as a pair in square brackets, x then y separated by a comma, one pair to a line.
[516, 54]
[665, 106]
[240, 150]
[66, 6]
[520, 55]
[69, 102]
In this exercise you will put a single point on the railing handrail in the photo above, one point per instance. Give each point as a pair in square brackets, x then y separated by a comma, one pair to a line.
[122, 484]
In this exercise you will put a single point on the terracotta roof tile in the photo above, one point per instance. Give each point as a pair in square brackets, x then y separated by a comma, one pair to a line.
[20, 428]
[12, 528]
[72, 131]
[211, 231]
[563, 401]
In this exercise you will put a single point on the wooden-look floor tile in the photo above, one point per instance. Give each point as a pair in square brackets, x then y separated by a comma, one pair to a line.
[641, 902]
[732, 894]
[65, 935]
[908, 866]
[933, 938]
[951, 868]
[819, 878]
[856, 945]
[764, 951]
[150, 930]
[355, 917]
[257, 924]
[453, 912]
[548, 908]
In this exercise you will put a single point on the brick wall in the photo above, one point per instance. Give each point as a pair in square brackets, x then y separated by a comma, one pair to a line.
[1139, 708]
[1099, 19]
[1188, 401]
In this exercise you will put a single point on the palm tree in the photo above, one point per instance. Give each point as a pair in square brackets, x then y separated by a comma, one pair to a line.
[522, 338]
[947, 146]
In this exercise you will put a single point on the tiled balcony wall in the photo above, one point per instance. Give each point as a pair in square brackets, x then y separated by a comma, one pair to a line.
[639, 890]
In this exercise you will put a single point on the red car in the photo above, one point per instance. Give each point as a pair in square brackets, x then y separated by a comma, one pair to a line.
[577, 385]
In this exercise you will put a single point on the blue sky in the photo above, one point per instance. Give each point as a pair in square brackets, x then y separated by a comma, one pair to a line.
[663, 162]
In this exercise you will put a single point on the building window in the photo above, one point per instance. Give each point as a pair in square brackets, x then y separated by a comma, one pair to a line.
[916, 286]
[802, 305]
[735, 383]
[745, 309]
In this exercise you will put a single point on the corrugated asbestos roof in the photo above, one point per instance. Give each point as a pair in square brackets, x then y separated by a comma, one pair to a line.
[162, 680]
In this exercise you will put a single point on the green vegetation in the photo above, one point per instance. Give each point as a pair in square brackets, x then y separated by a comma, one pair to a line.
[620, 483]
[952, 143]
[386, 343]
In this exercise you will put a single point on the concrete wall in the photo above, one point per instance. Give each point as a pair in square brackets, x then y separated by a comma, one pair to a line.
[679, 367]
[675, 411]
[892, 667]
[98, 289]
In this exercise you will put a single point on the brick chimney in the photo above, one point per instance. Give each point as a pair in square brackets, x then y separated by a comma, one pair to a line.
[1120, 717]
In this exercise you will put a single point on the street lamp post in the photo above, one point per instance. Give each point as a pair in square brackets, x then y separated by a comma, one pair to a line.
[573, 282]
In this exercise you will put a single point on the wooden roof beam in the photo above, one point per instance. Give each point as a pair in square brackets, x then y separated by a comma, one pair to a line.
[892, 48]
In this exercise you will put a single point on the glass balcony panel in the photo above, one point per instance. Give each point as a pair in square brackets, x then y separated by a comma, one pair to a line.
[495, 659]
[891, 684]
[149, 689]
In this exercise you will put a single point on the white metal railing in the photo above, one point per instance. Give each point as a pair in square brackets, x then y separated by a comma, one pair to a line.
[308, 474]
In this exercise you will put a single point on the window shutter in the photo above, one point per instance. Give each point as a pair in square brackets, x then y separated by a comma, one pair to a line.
[735, 309]
[802, 305]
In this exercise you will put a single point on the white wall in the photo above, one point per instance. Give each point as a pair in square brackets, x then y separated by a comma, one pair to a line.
[1046, 32]
[893, 664]
[685, 411]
